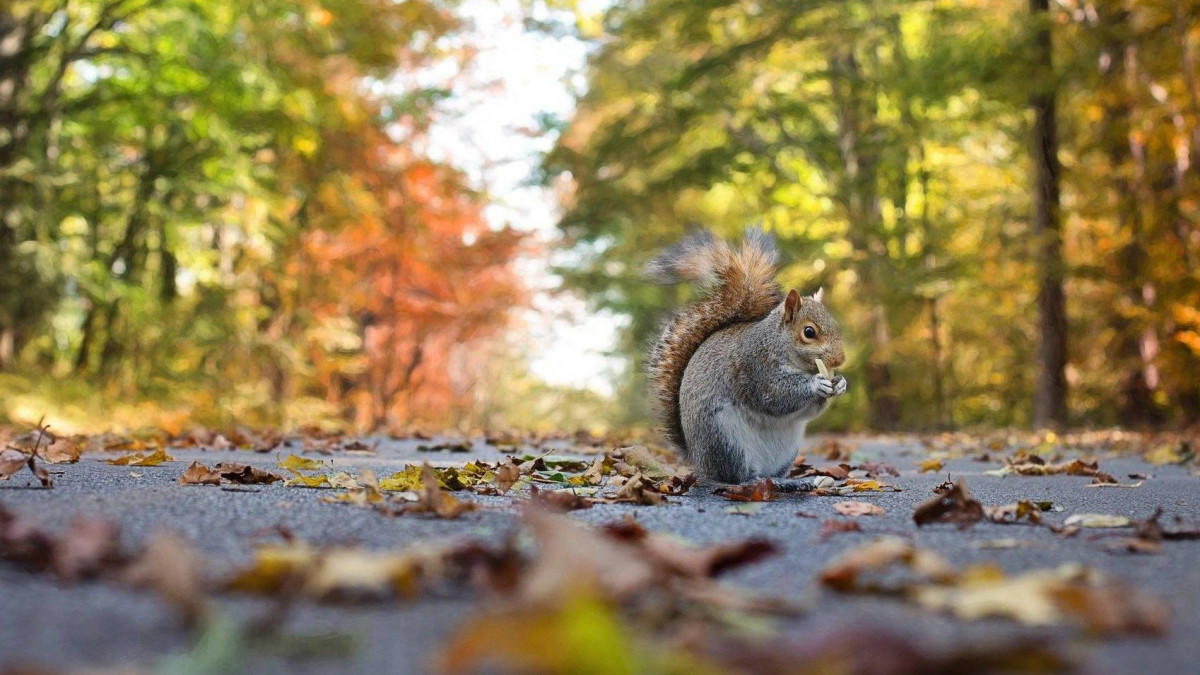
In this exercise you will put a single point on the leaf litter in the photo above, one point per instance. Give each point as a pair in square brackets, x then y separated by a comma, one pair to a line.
[1070, 594]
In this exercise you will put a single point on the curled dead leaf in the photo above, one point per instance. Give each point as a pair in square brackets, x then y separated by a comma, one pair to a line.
[853, 508]
[759, 491]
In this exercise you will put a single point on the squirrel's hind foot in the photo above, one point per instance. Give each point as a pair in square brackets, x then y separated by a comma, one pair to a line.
[802, 484]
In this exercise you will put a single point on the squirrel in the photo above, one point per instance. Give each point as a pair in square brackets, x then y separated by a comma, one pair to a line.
[734, 373]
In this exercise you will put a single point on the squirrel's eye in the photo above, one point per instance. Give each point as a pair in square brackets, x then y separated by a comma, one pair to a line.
[810, 332]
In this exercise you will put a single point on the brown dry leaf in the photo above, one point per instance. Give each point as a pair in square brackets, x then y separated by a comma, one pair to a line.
[847, 572]
[638, 489]
[877, 469]
[677, 485]
[365, 492]
[8, 467]
[1032, 465]
[506, 475]
[433, 499]
[334, 574]
[174, 570]
[572, 557]
[1134, 545]
[89, 547]
[684, 559]
[1069, 593]
[858, 509]
[244, 474]
[832, 527]
[760, 491]
[1096, 483]
[595, 473]
[1014, 513]
[955, 505]
[198, 474]
[62, 451]
[931, 465]
[138, 459]
[26, 459]
[559, 500]
[1153, 530]
[834, 471]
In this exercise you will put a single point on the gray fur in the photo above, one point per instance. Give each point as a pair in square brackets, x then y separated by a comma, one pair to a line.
[747, 395]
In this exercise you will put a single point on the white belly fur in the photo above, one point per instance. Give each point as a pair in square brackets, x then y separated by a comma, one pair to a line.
[769, 443]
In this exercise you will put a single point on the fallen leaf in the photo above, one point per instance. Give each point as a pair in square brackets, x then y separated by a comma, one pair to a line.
[760, 491]
[1002, 543]
[434, 500]
[301, 480]
[198, 474]
[1069, 593]
[334, 574]
[931, 465]
[559, 500]
[1099, 520]
[245, 474]
[876, 469]
[90, 546]
[1170, 453]
[847, 573]
[1114, 485]
[831, 527]
[170, 567]
[1133, 545]
[139, 459]
[744, 509]
[1015, 513]
[62, 451]
[458, 446]
[956, 505]
[8, 467]
[858, 509]
[861, 485]
[298, 463]
[1033, 465]
[506, 476]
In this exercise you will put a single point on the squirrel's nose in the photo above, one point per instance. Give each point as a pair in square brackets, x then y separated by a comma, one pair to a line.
[837, 359]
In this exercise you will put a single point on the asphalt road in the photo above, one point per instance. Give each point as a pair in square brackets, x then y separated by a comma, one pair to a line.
[47, 625]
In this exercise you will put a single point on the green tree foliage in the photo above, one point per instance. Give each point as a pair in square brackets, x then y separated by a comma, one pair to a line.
[886, 144]
[225, 199]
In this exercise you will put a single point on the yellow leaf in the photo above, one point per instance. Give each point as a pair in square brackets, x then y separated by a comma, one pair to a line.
[931, 465]
[150, 459]
[301, 480]
[297, 463]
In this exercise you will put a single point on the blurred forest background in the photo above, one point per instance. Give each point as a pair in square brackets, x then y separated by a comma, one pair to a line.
[227, 213]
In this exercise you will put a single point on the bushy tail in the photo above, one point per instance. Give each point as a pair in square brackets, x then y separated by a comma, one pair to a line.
[737, 286]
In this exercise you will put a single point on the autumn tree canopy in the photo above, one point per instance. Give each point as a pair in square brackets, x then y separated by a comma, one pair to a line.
[230, 204]
[891, 147]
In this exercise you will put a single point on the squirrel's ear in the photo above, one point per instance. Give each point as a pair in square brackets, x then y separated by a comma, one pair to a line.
[819, 296]
[790, 305]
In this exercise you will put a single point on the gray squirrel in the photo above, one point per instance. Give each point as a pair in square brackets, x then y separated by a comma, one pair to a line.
[734, 373]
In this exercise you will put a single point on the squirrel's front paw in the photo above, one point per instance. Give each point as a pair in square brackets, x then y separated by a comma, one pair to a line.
[823, 387]
[829, 387]
[839, 385]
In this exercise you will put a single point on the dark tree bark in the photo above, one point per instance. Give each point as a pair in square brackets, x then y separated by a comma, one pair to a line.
[1050, 398]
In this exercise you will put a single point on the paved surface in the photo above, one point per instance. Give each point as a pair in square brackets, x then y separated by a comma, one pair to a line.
[96, 624]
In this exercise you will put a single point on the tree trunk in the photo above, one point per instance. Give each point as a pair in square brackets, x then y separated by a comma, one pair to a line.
[1050, 399]
[859, 193]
